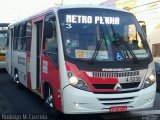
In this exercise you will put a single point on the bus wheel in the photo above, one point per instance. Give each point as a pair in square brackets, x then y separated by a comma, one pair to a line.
[158, 82]
[16, 78]
[49, 98]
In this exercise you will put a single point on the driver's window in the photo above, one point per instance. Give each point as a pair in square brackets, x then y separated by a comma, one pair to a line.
[50, 38]
[134, 37]
[132, 33]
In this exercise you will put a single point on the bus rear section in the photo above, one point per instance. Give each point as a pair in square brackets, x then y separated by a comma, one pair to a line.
[84, 59]
[3, 42]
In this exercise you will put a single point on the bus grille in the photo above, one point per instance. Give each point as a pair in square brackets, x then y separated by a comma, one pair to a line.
[108, 102]
[115, 74]
[118, 75]
[111, 86]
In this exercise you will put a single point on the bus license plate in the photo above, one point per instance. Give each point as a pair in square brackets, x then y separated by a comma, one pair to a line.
[118, 109]
[133, 79]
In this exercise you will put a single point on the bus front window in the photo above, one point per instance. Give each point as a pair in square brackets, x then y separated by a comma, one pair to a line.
[3, 40]
[102, 35]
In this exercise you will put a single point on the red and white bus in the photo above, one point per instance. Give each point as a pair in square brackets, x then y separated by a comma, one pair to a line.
[83, 59]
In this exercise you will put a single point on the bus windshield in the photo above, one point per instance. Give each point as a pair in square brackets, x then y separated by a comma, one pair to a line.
[3, 35]
[3, 40]
[102, 35]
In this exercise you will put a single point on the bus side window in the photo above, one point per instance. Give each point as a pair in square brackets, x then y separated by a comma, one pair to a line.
[20, 37]
[27, 36]
[15, 38]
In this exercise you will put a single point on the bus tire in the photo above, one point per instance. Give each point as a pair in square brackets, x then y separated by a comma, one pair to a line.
[158, 82]
[49, 101]
[16, 78]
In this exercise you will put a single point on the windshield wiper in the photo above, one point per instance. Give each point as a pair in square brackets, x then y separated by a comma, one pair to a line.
[99, 43]
[135, 59]
[120, 41]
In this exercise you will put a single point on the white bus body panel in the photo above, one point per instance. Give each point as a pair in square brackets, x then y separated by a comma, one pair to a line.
[19, 63]
[77, 101]
[62, 67]
[22, 68]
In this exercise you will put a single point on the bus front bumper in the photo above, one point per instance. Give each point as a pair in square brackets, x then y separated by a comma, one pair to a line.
[76, 101]
[2, 65]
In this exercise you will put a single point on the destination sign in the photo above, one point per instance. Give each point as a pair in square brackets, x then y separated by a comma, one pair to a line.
[92, 19]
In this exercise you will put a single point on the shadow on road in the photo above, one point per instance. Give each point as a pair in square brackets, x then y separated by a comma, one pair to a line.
[107, 116]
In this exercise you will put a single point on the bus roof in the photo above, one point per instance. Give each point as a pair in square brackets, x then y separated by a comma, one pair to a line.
[89, 6]
[56, 8]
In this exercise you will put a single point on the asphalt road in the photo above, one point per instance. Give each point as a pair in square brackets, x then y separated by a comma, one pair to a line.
[20, 103]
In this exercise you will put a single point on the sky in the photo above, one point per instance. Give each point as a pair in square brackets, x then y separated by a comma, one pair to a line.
[13, 10]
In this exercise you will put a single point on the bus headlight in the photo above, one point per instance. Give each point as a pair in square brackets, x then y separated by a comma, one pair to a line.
[78, 83]
[73, 80]
[149, 80]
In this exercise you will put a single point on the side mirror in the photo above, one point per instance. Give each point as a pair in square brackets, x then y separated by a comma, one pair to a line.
[48, 29]
[143, 26]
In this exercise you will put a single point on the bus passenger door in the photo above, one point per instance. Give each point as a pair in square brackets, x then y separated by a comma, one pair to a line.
[35, 53]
